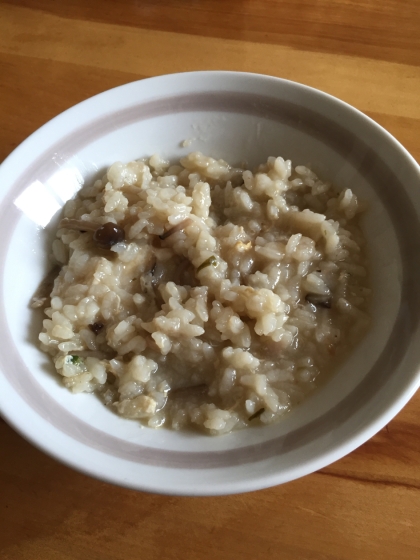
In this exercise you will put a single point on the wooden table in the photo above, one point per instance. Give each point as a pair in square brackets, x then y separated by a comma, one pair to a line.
[55, 53]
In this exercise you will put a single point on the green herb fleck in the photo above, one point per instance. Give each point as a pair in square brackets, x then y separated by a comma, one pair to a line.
[210, 261]
[256, 414]
[76, 360]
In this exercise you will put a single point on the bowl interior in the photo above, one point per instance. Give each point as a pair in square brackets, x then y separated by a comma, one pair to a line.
[240, 125]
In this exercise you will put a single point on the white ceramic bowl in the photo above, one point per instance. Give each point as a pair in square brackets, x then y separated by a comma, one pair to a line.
[238, 117]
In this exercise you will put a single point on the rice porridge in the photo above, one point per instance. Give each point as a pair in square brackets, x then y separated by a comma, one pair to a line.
[202, 295]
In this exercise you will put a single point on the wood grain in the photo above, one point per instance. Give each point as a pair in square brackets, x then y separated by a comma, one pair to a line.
[113, 47]
[384, 30]
[367, 52]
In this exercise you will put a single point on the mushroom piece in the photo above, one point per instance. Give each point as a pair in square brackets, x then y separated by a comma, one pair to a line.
[42, 295]
[256, 414]
[81, 225]
[105, 235]
[319, 300]
[108, 235]
[96, 327]
[176, 228]
[184, 391]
